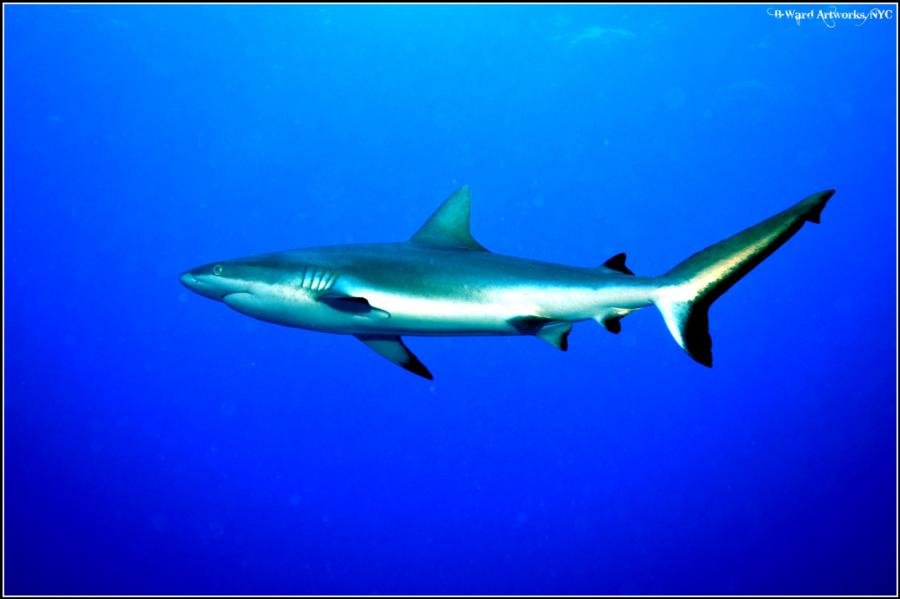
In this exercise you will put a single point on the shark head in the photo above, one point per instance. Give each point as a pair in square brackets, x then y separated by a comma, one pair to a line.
[219, 280]
[273, 287]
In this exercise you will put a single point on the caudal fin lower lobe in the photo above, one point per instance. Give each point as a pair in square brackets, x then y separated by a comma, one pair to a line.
[688, 290]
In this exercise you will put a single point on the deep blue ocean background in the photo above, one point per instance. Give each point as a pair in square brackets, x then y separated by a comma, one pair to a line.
[158, 442]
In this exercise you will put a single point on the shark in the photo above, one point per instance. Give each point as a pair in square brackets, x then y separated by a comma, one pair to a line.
[442, 282]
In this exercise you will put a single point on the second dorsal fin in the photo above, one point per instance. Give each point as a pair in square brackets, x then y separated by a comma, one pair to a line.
[448, 227]
[617, 264]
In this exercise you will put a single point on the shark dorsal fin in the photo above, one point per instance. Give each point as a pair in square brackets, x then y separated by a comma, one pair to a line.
[617, 264]
[448, 227]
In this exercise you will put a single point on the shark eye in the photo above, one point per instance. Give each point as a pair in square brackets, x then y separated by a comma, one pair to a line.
[217, 269]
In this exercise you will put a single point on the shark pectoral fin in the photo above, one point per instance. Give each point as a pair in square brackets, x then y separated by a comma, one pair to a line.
[352, 304]
[392, 348]
[448, 227]
[554, 332]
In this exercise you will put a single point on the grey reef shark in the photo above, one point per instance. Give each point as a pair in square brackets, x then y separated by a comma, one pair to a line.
[441, 282]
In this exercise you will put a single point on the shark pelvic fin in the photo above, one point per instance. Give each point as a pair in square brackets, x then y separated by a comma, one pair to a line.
[616, 264]
[554, 332]
[393, 348]
[448, 227]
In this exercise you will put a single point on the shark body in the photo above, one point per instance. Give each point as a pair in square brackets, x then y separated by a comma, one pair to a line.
[443, 282]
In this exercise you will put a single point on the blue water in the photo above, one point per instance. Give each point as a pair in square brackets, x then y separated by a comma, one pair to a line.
[159, 442]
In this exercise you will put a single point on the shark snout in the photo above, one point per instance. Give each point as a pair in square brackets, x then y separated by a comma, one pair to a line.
[216, 281]
[203, 284]
[197, 284]
[188, 280]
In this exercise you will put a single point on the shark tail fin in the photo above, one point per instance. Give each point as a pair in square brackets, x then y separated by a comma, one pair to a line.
[688, 290]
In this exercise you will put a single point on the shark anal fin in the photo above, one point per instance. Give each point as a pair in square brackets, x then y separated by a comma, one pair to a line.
[611, 319]
[613, 325]
[352, 305]
[448, 227]
[617, 264]
[554, 332]
[393, 348]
